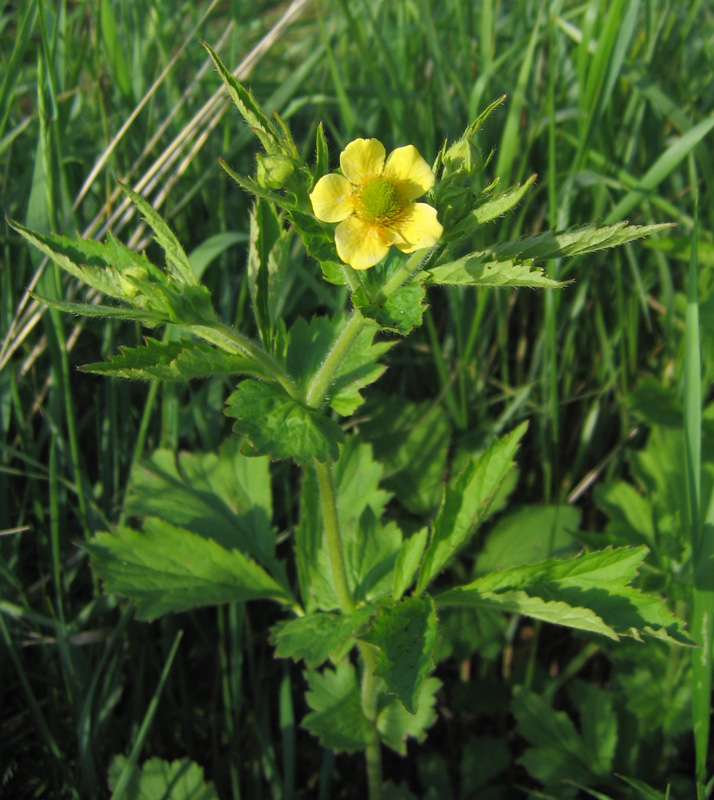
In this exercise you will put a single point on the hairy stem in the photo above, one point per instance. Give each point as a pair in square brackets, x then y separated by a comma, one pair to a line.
[373, 752]
[328, 499]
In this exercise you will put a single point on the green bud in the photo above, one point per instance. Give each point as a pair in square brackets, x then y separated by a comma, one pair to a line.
[274, 171]
[129, 288]
[463, 158]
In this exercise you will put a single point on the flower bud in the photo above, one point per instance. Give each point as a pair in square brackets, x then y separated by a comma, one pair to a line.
[129, 288]
[274, 171]
[463, 158]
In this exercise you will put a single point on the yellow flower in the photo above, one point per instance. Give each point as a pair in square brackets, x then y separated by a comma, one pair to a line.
[373, 201]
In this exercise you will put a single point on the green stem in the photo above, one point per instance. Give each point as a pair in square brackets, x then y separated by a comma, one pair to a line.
[222, 335]
[331, 522]
[320, 384]
[373, 751]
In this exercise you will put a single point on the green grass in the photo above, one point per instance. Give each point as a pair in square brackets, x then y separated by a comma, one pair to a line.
[608, 102]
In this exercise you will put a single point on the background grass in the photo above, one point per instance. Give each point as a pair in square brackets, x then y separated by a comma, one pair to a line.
[605, 101]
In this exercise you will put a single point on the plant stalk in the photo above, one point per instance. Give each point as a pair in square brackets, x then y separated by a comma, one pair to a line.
[320, 385]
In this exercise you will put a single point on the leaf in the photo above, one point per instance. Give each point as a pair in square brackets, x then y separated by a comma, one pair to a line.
[596, 583]
[173, 361]
[400, 313]
[148, 318]
[574, 241]
[559, 752]
[310, 344]
[412, 441]
[337, 718]
[405, 635]
[492, 208]
[281, 427]
[319, 636]
[179, 267]
[168, 569]
[528, 534]
[466, 502]
[408, 562]
[266, 258]
[157, 779]
[319, 242]
[370, 551]
[395, 724]
[480, 269]
[225, 497]
[248, 107]
[202, 256]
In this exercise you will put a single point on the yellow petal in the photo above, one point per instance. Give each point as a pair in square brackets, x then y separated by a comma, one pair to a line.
[362, 159]
[410, 171]
[332, 198]
[360, 245]
[418, 228]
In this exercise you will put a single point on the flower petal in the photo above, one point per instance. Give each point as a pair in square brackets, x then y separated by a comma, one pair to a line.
[332, 198]
[362, 159]
[360, 245]
[410, 171]
[418, 228]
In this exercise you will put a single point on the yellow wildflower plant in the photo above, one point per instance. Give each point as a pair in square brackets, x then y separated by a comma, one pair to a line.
[373, 202]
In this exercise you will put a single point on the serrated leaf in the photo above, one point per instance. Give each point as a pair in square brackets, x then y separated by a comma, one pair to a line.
[492, 208]
[574, 241]
[337, 718]
[157, 779]
[177, 263]
[168, 569]
[596, 582]
[408, 562]
[320, 244]
[267, 257]
[247, 106]
[319, 636]
[558, 752]
[405, 635]
[281, 427]
[466, 502]
[149, 318]
[395, 724]
[173, 361]
[225, 497]
[400, 313]
[311, 342]
[480, 269]
[528, 534]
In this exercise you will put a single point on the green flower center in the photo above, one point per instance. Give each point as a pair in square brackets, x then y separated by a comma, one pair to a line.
[380, 201]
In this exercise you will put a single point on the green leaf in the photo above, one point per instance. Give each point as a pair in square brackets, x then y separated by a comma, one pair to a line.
[202, 256]
[281, 427]
[225, 497]
[337, 718]
[596, 583]
[103, 266]
[159, 780]
[177, 263]
[173, 361]
[559, 751]
[574, 241]
[405, 635]
[408, 562]
[400, 313]
[249, 109]
[168, 569]
[319, 242]
[370, 551]
[630, 513]
[322, 156]
[319, 636]
[466, 502]
[528, 534]
[395, 724]
[480, 269]
[492, 208]
[267, 259]
[149, 318]
[412, 441]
